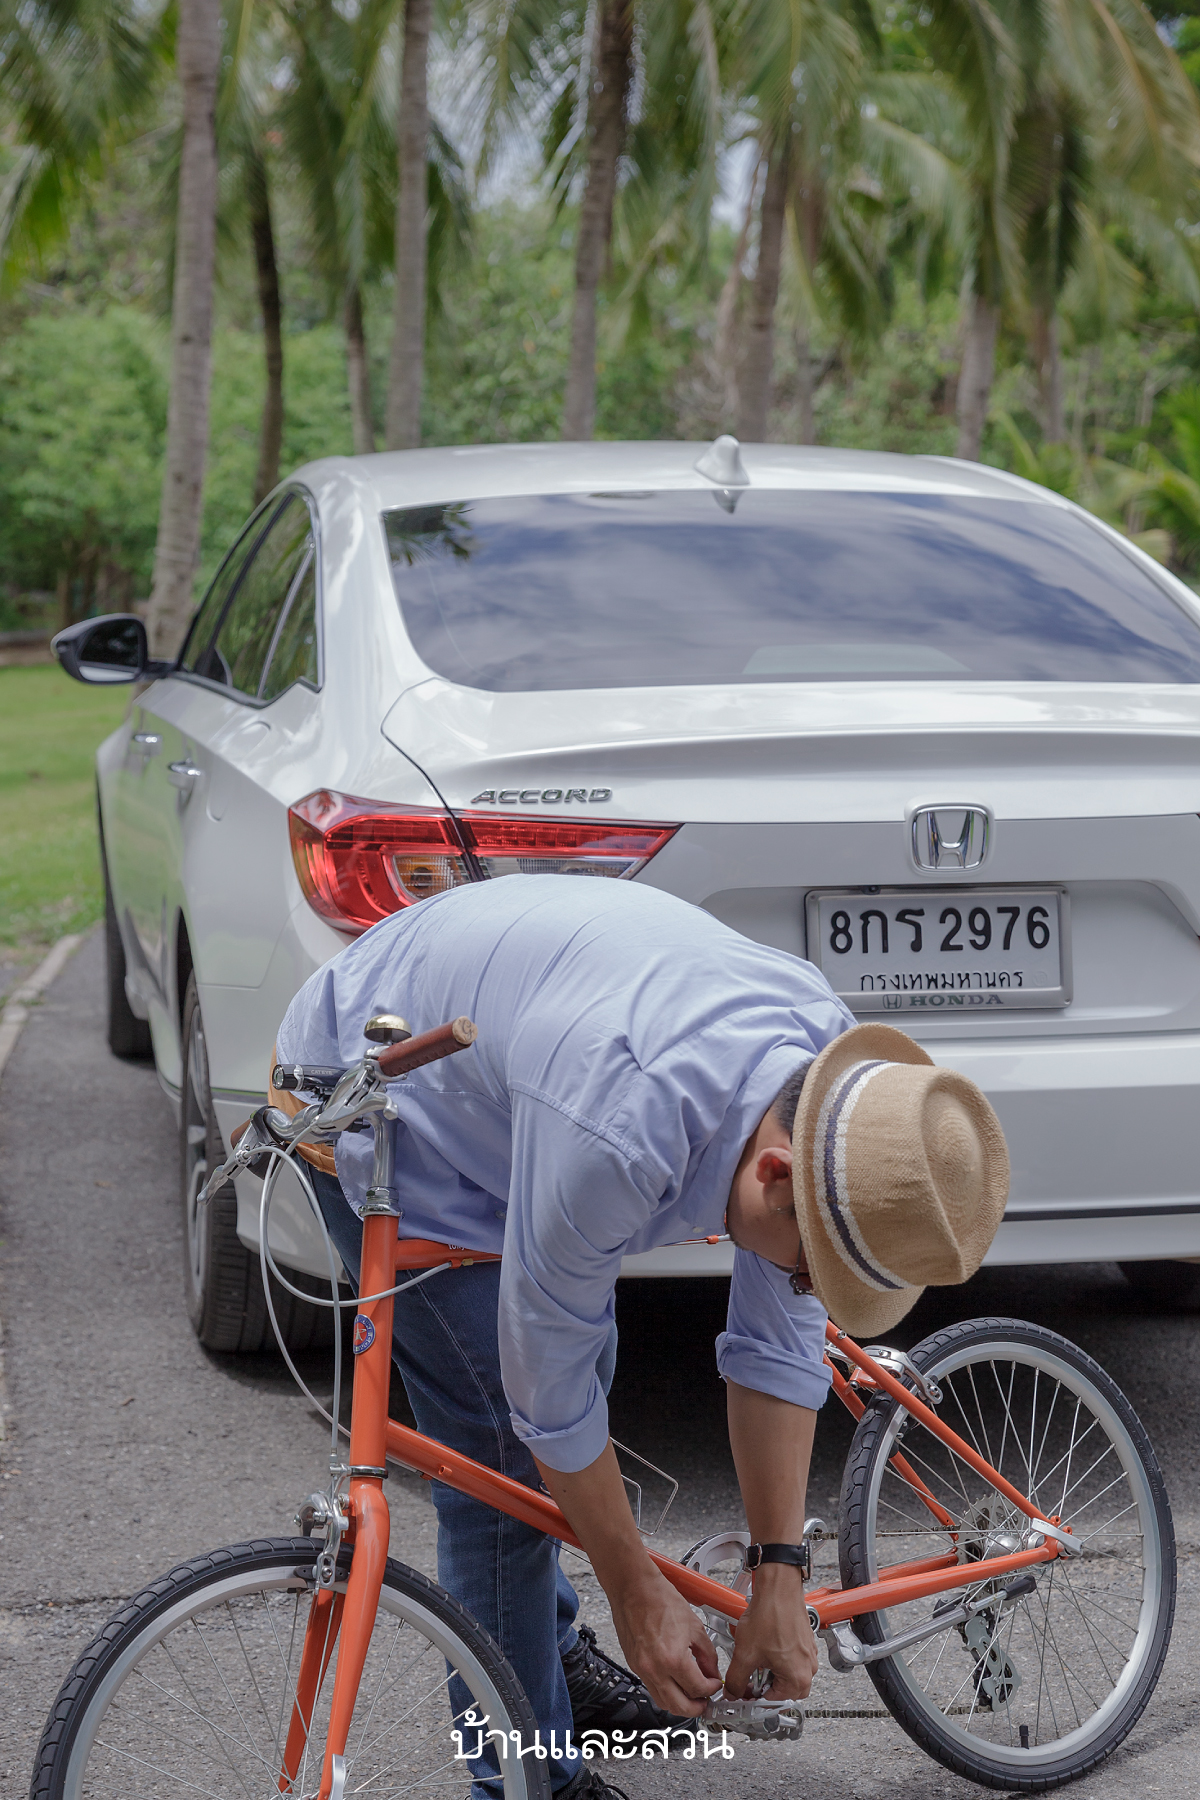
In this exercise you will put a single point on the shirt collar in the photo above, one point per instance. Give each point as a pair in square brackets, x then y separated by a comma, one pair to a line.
[706, 1196]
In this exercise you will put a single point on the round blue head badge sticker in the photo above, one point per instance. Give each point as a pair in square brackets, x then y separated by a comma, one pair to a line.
[364, 1333]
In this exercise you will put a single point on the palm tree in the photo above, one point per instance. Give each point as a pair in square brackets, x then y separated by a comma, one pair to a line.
[799, 74]
[336, 122]
[1055, 116]
[645, 172]
[198, 62]
[77, 78]
[244, 108]
[406, 371]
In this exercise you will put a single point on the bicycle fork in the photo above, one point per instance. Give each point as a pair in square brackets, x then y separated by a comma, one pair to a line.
[352, 1616]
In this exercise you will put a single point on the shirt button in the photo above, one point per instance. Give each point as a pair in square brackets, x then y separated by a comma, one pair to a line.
[499, 1212]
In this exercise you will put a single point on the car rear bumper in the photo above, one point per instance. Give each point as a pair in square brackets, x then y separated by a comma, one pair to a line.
[1103, 1135]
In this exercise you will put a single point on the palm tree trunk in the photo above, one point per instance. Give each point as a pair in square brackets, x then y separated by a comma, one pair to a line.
[358, 371]
[976, 374]
[608, 105]
[198, 58]
[1048, 359]
[754, 386]
[727, 305]
[407, 368]
[270, 440]
[805, 384]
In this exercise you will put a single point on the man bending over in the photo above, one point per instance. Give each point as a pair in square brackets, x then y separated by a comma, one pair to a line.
[642, 1075]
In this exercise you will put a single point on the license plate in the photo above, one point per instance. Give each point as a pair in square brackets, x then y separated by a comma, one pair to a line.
[944, 950]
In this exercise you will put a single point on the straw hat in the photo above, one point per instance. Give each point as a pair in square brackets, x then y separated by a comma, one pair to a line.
[900, 1173]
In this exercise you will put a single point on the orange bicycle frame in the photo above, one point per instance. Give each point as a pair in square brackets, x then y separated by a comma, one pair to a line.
[374, 1438]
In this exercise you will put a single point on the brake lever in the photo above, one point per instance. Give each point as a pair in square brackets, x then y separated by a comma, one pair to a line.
[256, 1139]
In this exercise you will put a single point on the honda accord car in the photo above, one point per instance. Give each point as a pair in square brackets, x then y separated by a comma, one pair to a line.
[919, 721]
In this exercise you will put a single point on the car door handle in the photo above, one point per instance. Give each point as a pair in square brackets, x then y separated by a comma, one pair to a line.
[148, 742]
[183, 775]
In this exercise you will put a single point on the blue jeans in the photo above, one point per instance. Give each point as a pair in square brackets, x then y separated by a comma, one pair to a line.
[507, 1575]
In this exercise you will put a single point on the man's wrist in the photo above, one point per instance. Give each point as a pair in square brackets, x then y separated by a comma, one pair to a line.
[780, 1555]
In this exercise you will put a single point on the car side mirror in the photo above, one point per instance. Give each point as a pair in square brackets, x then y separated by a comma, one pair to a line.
[105, 650]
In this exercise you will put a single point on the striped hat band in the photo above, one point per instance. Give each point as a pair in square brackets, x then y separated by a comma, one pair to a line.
[830, 1187]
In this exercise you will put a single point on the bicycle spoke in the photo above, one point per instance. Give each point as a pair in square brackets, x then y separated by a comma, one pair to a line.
[155, 1769]
[1015, 1677]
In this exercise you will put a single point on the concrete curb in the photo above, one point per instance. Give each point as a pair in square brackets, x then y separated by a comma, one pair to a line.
[22, 998]
[12, 1018]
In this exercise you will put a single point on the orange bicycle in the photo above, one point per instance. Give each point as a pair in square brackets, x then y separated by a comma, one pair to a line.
[1005, 1546]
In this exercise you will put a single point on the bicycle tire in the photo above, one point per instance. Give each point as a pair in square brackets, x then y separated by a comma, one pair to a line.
[204, 1615]
[1088, 1643]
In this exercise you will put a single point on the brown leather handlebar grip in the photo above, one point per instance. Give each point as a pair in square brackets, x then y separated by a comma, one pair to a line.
[459, 1034]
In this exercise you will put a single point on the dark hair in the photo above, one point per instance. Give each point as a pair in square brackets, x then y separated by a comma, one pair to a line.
[788, 1098]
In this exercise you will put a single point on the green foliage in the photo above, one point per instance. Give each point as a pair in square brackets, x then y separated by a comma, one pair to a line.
[498, 359]
[49, 729]
[898, 396]
[316, 423]
[82, 418]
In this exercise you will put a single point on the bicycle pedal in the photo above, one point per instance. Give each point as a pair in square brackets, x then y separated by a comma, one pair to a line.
[770, 1722]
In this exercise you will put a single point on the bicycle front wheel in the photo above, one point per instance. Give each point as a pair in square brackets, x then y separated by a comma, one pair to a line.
[1037, 1686]
[189, 1690]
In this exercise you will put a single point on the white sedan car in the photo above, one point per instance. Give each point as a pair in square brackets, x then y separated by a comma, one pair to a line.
[933, 728]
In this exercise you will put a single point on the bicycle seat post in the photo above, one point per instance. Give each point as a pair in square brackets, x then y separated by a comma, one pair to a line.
[368, 1508]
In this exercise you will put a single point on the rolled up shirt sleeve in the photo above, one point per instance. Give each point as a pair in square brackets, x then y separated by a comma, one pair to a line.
[774, 1340]
[576, 1199]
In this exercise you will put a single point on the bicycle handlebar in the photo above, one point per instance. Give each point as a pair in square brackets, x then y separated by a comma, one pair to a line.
[330, 1115]
[399, 1059]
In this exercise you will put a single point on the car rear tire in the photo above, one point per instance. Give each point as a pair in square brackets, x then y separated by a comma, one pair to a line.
[222, 1279]
[1171, 1285]
[128, 1036]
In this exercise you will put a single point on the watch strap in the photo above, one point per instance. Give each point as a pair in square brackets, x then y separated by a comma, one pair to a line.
[798, 1555]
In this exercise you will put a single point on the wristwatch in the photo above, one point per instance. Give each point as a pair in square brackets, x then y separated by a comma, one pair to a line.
[798, 1555]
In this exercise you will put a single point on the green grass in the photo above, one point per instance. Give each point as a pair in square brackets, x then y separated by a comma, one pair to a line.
[49, 866]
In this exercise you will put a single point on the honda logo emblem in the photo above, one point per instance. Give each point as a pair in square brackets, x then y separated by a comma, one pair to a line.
[949, 837]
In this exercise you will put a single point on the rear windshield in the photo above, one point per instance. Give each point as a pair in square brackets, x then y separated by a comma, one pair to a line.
[680, 589]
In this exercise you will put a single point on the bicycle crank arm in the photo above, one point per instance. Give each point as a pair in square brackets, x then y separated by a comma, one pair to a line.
[848, 1652]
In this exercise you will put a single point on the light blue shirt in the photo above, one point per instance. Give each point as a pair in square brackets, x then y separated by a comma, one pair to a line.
[629, 1044]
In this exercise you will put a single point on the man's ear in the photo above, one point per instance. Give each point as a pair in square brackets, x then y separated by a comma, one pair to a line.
[774, 1165]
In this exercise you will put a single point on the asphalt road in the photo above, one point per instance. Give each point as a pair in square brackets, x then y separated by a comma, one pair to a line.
[130, 1447]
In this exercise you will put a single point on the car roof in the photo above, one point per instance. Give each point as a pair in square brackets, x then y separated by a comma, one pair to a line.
[477, 471]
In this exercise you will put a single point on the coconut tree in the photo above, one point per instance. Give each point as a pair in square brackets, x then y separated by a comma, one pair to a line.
[197, 62]
[335, 119]
[1052, 111]
[800, 73]
[245, 108]
[77, 78]
[626, 96]
[406, 369]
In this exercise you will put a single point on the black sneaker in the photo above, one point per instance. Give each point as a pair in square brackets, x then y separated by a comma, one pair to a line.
[605, 1696]
[589, 1785]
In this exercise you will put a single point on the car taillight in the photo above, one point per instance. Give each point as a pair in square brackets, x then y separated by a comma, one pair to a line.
[358, 861]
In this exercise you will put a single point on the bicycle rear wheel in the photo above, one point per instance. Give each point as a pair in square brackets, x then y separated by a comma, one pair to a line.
[189, 1690]
[1036, 1688]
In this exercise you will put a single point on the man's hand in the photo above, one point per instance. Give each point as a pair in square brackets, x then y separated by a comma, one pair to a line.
[663, 1641]
[772, 1442]
[774, 1633]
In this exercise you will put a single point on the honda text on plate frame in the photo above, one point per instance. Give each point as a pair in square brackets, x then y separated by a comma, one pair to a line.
[925, 723]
